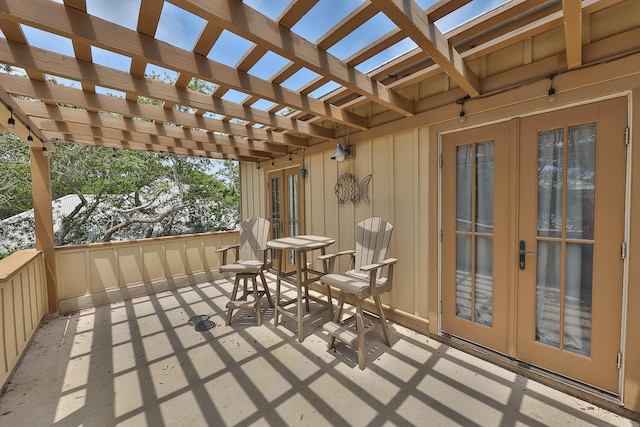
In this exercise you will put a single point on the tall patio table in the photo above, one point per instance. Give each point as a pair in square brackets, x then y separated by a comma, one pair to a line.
[301, 278]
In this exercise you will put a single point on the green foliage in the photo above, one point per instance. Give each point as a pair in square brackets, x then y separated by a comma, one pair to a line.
[121, 194]
[15, 176]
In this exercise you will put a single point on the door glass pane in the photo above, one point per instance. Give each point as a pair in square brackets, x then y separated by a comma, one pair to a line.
[577, 298]
[474, 244]
[292, 183]
[276, 216]
[463, 276]
[293, 226]
[484, 187]
[484, 280]
[550, 179]
[464, 187]
[581, 180]
[565, 267]
[548, 282]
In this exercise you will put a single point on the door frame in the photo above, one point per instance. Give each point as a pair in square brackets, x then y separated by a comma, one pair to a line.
[439, 132]
[285, 173]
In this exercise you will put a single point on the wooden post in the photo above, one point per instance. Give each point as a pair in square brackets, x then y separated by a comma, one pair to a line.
[43, 215]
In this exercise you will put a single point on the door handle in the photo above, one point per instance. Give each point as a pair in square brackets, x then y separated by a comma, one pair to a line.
[523, 254]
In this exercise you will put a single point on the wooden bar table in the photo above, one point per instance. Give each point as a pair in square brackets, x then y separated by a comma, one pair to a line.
[300, 245]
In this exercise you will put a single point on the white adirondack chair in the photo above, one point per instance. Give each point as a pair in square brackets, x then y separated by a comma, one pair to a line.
[362, 281]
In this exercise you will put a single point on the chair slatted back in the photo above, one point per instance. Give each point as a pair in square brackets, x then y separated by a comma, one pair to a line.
[372, 240]
[254, 234]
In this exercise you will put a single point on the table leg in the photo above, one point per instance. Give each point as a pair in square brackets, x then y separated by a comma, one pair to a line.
[277, 304]
[299, 289]
[306, 281]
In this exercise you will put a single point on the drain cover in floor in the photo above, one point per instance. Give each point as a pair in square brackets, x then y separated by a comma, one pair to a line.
[201, 322]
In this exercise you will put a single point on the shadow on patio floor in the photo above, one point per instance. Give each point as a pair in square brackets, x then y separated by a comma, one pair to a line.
[139, 362]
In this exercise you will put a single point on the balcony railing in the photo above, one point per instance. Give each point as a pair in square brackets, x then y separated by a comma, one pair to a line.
[23, 295]
[97, 274]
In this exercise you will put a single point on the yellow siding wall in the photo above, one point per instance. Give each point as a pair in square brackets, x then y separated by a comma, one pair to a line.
[397, 192]
[103, 267]
[23, 296]
[399, 163]
[404, 189]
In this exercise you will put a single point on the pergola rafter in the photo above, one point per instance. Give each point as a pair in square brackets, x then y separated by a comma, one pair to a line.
[54, 119]
[252, 25]
[298, 118]
[76, 25]
[412, 21]
[52, 94]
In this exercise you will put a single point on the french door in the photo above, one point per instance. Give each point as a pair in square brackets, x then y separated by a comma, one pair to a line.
[475, 198]
[286, 214]
[533, 229]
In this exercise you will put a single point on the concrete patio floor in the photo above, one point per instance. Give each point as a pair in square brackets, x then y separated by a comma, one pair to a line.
[139, 363]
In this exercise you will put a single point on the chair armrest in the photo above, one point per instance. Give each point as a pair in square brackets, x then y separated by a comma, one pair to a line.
[370, 267]
[224, 251]
[226, 248]
[328, 260]
[373, 270]
[329, 256]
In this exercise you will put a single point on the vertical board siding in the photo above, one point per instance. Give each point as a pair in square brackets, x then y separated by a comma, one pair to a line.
[404, 200]
[397, 193]
[4, 366]
[130, 264]
[153, 261]
[101, 276]
[174, 260]
[72, 271]
[10, 342]
[22, 296]
[102, 267]
[424, 259]
[315, 207]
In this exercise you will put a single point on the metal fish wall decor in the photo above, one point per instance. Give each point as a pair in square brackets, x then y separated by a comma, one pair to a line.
[348, 188]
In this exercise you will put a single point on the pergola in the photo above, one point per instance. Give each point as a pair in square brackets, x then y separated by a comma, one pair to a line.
[428, 72]
[440, 70]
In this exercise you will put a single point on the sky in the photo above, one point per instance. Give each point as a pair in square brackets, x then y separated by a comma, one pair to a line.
[181, 29]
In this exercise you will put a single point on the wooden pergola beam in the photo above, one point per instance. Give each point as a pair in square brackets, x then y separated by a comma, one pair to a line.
[348, 24]
[75, 25]
[415, 23]
[294, 12]
[155, 146]
[51, 93]
[51, 116]
[86, 131]
[572, 18]
[73, 69]
[252, 25]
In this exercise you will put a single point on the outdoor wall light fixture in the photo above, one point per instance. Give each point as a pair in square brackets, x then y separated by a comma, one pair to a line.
[461, 102]
[341, 153]
[552, 90]
[303, 170]
[11, 122]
